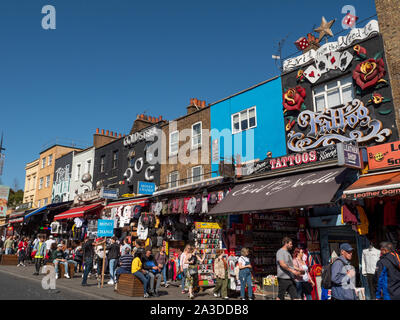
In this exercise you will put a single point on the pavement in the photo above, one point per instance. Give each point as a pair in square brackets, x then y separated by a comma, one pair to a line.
[28, 286]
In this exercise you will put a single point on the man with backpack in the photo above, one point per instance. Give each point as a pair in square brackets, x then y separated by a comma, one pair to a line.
[343, 275]
[388, 273]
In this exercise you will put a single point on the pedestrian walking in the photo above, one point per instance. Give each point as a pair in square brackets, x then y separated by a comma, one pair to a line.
[162, 260]
[221, 273]
[88, 255]
[388, 273]
[245, 274]
[184, 266]
[286, 272]
[192, 259]
[22, 247]
[304, 283]
[343, 275]
[40, 251]
[9, 245]
[113, 256]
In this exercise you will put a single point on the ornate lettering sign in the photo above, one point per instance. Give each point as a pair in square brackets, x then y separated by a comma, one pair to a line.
[351, 122]
[342, 42]
[292, 160]
[147, 135]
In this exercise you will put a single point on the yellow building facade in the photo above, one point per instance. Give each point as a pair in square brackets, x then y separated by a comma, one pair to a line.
[45, 175]
[31, 174]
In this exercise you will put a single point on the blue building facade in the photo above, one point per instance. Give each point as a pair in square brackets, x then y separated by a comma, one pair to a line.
[248, 124]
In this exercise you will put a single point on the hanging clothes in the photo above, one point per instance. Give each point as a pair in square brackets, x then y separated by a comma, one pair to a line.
[348, 216]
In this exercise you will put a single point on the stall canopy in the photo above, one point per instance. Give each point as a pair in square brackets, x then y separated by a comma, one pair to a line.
[312, 188]
[374, 185]
[78, 211]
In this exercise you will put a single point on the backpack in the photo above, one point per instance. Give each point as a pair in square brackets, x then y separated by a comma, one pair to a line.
[326, 276]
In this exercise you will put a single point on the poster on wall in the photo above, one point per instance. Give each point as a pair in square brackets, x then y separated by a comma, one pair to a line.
[4, 192]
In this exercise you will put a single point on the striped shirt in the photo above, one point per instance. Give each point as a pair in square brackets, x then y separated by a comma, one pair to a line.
[125, 261]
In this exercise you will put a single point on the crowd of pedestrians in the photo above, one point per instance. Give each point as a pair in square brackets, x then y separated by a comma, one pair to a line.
[125, 258]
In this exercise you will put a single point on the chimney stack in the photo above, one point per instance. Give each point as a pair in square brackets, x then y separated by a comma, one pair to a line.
[97, 131]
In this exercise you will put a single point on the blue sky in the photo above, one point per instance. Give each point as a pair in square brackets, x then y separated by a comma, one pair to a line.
[108, 61]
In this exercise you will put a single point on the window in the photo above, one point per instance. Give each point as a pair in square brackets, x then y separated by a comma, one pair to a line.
[333, 94]
[47, 181]
[196, 174]
[115, 159]
[34, 183]
[173, 179]
[43, 162]
[78, 172]
[38, 204]
[102, 160]
[28, 183]
[173, 143]
[50, 160]
[88, 164]
[40, 183]
[45, 201]
[244, 120]
[196, 135]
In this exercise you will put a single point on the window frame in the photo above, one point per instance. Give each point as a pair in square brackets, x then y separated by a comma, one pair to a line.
[47, 181]
[78, 171]
[200, 134]
[41, 183]
[170, 180]
[102, 163]
[43, 162]
[240, 120]
[50, 160]
[325, 92]
[115, 159]
[170, 144]
[192, 174]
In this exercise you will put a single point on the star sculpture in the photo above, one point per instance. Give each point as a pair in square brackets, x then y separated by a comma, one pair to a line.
[325, 28]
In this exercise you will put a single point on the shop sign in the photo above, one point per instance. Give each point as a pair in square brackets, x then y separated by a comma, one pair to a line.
[109, 193]
[147, 135]
[343, 41]
[105, 228]
[349, 155]
[87, 196]
[146, 187]
[24, 206]
[384, 156]
[207, 225]
[372, 194]
[320, 155]
[345, 124]
[4, 192]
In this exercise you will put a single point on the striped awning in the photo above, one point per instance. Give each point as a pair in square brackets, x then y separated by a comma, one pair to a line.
[133, 202]
[78, 211]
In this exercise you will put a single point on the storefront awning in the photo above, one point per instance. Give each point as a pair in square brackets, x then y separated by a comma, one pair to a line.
[300, 190]
[16, 220]
[374, 185]
[51, 207]
[36, 211]
[132, 202]
[77, 212]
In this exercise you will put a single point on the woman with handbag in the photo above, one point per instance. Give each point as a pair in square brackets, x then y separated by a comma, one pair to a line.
[304, 283]
[192, 259]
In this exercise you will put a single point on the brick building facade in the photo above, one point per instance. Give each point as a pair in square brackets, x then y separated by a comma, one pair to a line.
[193, 147]
[388, 17]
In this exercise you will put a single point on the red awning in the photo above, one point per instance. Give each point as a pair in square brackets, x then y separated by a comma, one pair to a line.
[133, 202]
[374, 185]
[77, 212]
